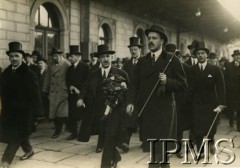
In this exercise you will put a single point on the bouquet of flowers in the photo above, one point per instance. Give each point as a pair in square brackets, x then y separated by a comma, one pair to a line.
[114, 89]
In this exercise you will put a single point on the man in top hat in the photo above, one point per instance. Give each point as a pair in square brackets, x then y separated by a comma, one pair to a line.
[29, 61]
[108, 128]
[232, 74]
[135, 48]
[20, 96]
[157, 117]
[94, 64]
[55, 86]
[192, 60]
[35, 56]
[213, 59]
[208, 95]
[77, 75]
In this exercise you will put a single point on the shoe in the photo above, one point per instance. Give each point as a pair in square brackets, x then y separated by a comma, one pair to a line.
[55, 135]
[99, 150]
[27, 155]
[125, 148]
[179, 155]
[71, 137]
[115, 161]
[5, 165]
[165, 165]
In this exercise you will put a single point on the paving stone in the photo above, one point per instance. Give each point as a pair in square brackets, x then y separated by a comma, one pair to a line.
[54, 146]
[51, 156]
[38, 164]
[80, 149]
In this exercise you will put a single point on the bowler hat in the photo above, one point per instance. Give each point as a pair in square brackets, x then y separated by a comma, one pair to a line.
[27, 55]
[135, 41]
[194, 42]
[212, 55]
[74, 49]
[158, 29]
[15, 46]
[200, 46]
[236, 52]
[37, 53]
[171, 47]
[56, 51]
[104, 49]
[41, 59]
[93, 54]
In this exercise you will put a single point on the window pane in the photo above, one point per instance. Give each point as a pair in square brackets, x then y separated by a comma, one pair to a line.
[43, 16]
[52, 41]
[101, 36]
[39, 42]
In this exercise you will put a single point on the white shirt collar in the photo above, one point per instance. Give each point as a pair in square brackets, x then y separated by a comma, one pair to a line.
[194, 61]
[203, 65]
[16, 67]
[157, 53]
[107, 70]
[75, 64]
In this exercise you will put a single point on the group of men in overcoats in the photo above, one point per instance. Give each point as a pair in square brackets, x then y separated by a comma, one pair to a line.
[156, 84]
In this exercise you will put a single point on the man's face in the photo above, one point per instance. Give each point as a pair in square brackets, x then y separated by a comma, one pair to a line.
[105, 60]
[155, 41]
[75, 58]
[201, 56]
[236, 58]
[94, 59]
[212, 61]
[135, 51]
[56, 58]
[15, 58]
[34, 58]
[28, 60]
[41, 64]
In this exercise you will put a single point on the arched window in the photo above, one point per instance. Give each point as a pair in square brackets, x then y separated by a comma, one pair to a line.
[47, 28]
[105, 34]
[140, 33]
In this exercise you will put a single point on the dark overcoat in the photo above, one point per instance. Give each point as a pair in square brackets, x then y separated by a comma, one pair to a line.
[208, 89]
[158, 119]
[184, 104]
[95, 104]
[232, 74]
[21, 101]
[76, 76]
[131, 121]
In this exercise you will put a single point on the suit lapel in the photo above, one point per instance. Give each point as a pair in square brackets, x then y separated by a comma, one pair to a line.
[159, 65]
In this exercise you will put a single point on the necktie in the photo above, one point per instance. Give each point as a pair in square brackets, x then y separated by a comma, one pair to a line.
[134, 62]
[201, 67]
[104, 74]
[153, 59]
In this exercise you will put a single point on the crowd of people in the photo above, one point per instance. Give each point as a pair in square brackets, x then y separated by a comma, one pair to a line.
[167, 94]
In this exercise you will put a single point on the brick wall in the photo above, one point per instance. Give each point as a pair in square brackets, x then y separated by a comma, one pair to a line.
[75, 23]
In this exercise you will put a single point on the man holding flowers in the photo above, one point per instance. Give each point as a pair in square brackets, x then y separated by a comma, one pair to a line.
[103, 97]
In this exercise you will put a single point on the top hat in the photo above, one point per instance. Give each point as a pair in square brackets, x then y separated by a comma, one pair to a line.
[158, 29]
[194, 42]
[200, 46]
[15, 47]
[212, 55]
[171, 47]
[236, 52]
[135, 41]
[74, 49]
[37, 53]
[104, 49]
[56, 51]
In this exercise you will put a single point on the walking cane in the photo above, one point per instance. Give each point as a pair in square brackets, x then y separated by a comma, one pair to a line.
[150, 95]
[218, 112]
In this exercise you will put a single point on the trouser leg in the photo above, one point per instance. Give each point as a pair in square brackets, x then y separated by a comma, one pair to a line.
[10, 151]
[26, 146]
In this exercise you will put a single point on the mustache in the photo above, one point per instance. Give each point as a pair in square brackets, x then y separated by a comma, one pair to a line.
[150, 43]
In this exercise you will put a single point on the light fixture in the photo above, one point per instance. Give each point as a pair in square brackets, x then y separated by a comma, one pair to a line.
[225, 30]
[198, 13]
